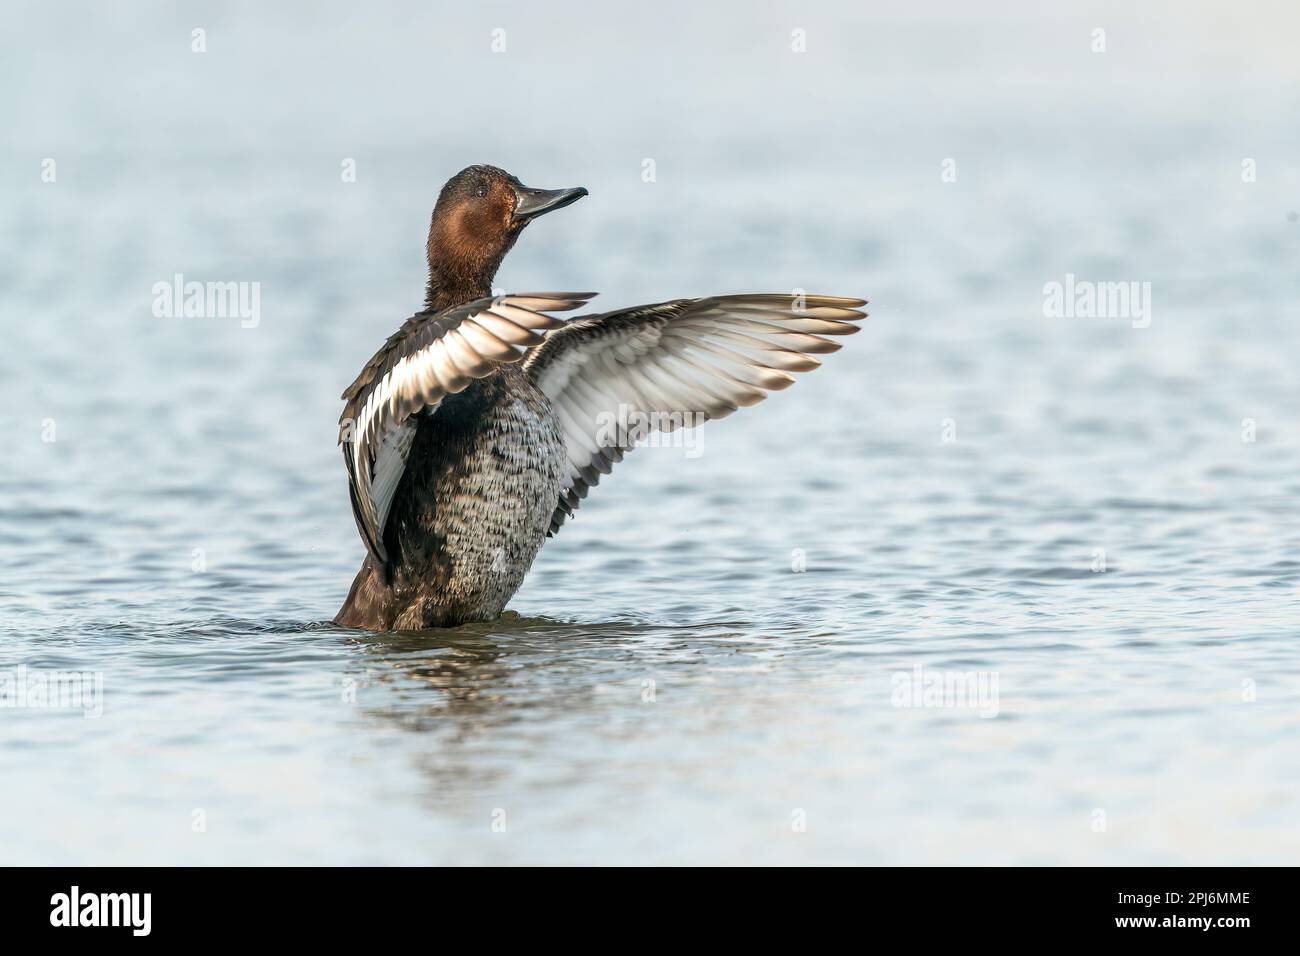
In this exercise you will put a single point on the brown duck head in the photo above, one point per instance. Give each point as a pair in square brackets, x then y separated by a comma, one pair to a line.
[480, 213]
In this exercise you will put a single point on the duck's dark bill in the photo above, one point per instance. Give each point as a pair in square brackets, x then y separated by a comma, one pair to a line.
[534, 202]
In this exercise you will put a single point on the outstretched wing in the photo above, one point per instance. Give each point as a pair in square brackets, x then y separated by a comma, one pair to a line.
[661, 367]
[431, 356]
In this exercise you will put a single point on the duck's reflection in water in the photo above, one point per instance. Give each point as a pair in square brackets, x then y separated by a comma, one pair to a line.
[490, 700]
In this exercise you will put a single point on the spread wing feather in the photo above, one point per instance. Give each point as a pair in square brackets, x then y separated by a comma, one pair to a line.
[613, 377]
[431, 356]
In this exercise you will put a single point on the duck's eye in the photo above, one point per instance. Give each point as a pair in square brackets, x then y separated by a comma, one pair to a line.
[481, 192]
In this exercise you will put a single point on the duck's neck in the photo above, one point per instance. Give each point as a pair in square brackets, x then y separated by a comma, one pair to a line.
[458, 273]
[444, 291]
[460, 269]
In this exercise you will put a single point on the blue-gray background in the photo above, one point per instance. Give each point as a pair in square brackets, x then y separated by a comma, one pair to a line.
[1161, 695]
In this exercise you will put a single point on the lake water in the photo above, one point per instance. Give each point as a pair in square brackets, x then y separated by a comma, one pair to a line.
[1092, 519]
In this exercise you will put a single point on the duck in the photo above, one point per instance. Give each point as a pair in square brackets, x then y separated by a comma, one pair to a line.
[478, 428]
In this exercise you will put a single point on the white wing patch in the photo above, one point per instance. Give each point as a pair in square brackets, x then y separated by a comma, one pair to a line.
[390, 465]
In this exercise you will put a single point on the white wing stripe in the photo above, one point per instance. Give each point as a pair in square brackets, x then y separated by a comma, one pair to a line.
[487, 344]
[524, 317]
[390, 465]
[508, 331]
